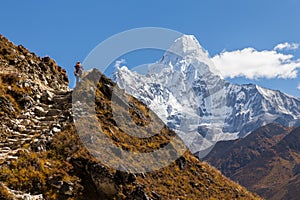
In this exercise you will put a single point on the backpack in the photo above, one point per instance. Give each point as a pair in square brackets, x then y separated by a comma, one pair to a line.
[78, 70]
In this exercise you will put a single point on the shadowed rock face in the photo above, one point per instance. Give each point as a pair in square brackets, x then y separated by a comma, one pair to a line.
[42, 156]
[266, 161]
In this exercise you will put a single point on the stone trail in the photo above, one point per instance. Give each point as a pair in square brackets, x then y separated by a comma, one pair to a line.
[35, 126]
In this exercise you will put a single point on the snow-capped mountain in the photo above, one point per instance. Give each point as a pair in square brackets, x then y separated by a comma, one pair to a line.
[187, 93]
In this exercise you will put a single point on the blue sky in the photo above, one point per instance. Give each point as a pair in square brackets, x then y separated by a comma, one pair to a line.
[69, 30]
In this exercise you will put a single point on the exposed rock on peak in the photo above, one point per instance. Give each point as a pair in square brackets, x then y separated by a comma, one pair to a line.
[187, 49]
[188, 45]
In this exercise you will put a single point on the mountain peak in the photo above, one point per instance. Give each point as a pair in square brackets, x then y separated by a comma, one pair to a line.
[186, 49]
[188, 46]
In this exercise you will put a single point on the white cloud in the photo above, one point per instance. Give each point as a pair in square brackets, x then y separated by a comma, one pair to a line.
[118, 63]
[298, 87]
[287, 46]
[252, 64]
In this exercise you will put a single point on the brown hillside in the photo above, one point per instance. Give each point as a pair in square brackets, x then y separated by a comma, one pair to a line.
[274, 172]
[233, 155]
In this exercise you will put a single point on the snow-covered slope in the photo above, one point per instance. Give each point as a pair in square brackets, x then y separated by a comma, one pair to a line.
[187, 93]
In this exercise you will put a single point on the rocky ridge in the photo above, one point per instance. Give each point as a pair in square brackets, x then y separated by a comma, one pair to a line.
[34, 99]
[266, 161]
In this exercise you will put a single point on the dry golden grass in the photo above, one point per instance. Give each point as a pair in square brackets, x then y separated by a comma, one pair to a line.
[35, 172]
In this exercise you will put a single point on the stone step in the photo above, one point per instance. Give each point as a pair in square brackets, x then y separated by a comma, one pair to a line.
[4, 145]
[11, 140]
[9, 157]
[4, 151]
[3, 157]
[31, 132]
[6, 148]
[25, 139]
[15, 134]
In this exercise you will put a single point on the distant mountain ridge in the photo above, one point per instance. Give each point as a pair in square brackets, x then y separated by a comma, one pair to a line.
[267, 161]
[187, 93]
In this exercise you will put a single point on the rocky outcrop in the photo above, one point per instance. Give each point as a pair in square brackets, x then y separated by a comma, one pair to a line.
[35, 103]
[10, 194]
[29, 89]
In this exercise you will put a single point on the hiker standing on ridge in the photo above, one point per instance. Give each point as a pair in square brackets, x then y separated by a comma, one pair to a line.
[78, 71]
